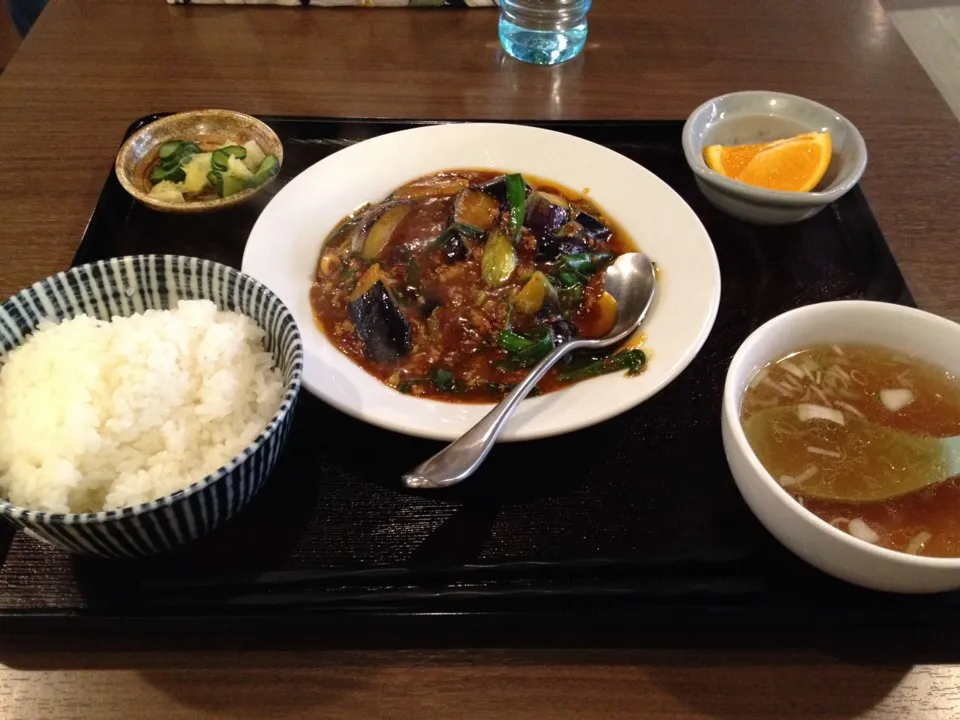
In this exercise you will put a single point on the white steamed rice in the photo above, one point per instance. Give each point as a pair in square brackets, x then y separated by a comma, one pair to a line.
[100, 415]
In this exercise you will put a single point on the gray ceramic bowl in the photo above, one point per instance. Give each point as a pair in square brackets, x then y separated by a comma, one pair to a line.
[757, 116]
[209, 129]
[122, 286]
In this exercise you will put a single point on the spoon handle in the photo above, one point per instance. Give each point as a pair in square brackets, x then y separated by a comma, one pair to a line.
[460, 459]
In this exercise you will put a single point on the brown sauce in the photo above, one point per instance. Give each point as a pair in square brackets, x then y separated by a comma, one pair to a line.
[455, 316]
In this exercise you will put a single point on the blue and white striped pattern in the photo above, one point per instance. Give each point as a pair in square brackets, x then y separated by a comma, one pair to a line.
[123, 286]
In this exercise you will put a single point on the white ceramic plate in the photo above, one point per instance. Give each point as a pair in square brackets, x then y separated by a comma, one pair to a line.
[284, 246]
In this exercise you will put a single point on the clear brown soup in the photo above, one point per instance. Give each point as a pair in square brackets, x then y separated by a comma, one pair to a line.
[874, 393]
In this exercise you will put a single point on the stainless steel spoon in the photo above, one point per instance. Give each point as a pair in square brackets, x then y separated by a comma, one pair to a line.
[632, 281]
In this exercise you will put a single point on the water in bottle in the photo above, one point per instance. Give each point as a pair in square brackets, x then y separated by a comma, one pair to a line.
[543, 32]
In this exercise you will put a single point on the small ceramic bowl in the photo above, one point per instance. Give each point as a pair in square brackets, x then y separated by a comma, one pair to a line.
[209, 129]
[758, 116]
[123, 286]
[914, 332]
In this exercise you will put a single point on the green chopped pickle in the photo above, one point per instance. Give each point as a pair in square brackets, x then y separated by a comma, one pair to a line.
[185, 173]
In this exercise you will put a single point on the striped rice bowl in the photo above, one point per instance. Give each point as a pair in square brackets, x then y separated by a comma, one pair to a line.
[138, 435]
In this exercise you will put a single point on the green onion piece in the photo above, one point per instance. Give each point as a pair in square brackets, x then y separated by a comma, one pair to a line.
[568, 279]
[584, 263]
[461, 229]
[517, 202]
[413, 273]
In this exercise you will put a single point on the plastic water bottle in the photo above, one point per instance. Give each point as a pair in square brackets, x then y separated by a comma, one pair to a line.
[543, 32]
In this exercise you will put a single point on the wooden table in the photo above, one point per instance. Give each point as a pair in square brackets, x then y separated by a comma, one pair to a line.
[90, 67]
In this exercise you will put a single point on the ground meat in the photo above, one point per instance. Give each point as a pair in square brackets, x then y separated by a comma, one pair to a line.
[455, 319]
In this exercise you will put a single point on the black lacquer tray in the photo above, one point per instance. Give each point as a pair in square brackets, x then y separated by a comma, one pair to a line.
[628, 532]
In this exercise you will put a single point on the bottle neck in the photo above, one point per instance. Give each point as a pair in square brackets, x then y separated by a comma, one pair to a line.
[551, 15]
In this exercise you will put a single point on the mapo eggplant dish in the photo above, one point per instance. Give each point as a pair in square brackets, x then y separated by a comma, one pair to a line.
[457, 283]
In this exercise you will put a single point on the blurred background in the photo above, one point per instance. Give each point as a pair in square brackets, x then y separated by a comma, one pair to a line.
[930, 27]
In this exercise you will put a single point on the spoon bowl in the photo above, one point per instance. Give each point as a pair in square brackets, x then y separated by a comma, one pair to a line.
[631, 280]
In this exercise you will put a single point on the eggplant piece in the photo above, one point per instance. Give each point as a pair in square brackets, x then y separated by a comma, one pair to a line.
[553, 246]
[546, 213]
[551, 310]
[499, 259]
[353, 229]
[452, 242]
[361, 222]
[564, 331]
[369, 278]
[343, 232]
[476, 209]
[497, 188]
[382, 230]
[454, 249]
[434, 188]
[593, 227]
[379, 324]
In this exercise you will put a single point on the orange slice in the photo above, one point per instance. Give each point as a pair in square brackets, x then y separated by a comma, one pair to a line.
[796, 164]
[730, 160]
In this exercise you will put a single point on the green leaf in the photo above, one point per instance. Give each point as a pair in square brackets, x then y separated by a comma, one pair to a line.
[526, 350]
[631, 361]
[443, 380]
